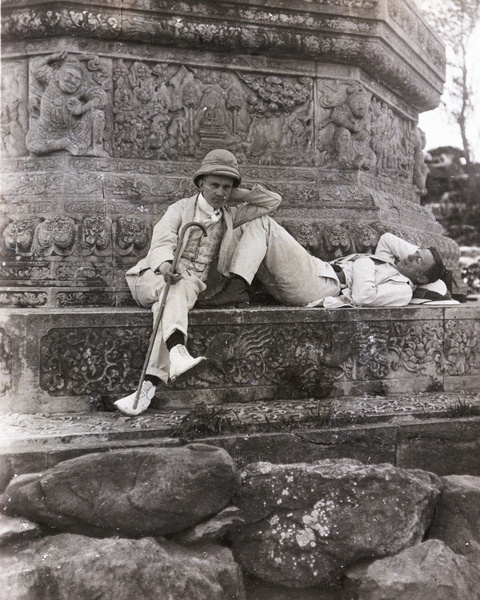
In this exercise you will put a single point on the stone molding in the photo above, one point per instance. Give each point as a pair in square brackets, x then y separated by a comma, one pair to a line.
[365, 34]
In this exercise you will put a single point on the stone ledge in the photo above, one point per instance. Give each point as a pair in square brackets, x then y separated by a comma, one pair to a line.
[82, 359]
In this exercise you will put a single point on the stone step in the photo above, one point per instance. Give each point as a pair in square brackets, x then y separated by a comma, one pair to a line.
[77, 360]
[439, 432]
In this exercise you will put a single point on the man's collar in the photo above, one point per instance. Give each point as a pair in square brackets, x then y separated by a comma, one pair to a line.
[204, 205]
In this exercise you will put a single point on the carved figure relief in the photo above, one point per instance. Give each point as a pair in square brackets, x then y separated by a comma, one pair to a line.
[344, 133]
[420, 168]
[281, 127]
[163, 111]
[14, 117]
[392, 143]
[67, 100]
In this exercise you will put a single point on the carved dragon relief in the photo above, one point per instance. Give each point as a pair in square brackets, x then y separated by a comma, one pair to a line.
[296, 358]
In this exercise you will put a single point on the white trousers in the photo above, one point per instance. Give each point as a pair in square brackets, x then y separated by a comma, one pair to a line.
[288, 272]
[263, 248]
[147, 290]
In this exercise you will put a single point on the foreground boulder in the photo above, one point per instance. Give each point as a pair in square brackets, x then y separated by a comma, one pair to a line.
[14, 528]
[212, 530]
[68, 566]
[428, 571]
[129, 492]
[309, 522]
[457, 517]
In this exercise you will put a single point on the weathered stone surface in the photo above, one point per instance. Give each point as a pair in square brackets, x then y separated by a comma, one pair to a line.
[264, 353]
[428, 571]
[70, 566]
[129, 492]
[457, 516]
[308, 522]
[97, 144]
[213, 529]
[15, 528]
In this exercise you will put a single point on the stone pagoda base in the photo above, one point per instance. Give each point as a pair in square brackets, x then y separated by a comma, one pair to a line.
[79, 359]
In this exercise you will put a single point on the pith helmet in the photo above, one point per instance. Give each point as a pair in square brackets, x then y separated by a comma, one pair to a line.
[219, 162]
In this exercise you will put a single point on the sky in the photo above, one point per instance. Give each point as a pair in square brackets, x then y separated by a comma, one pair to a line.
[435, 123]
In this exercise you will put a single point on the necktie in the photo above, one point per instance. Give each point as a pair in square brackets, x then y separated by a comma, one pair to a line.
[214, 217]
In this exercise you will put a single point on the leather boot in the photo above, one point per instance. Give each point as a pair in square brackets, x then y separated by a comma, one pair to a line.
[235, 293]
[181, 361]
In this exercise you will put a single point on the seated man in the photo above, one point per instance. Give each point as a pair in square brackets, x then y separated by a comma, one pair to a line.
[201, 259]
[294, 277]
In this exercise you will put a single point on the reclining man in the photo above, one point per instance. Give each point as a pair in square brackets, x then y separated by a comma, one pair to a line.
[203, 261]
[293, 276]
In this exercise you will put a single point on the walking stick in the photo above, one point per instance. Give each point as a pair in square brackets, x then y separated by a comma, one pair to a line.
[162, 304]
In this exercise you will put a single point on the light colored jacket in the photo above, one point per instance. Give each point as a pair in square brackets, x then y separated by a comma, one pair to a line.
[372, 279]
[254, 203]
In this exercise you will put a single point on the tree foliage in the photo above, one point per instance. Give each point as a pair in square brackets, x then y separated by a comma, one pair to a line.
[456, 21]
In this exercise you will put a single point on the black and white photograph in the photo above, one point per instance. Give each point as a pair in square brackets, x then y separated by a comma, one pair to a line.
[240, 300]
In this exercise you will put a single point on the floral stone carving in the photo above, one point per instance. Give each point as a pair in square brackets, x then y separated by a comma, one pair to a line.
[83, 361]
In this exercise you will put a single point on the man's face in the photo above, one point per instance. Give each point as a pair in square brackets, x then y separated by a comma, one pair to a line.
[416, 265]
[216, 189]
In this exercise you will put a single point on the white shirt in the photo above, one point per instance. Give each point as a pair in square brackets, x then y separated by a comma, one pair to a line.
[373, 280]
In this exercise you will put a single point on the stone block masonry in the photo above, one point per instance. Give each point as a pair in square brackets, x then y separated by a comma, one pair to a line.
[77, 360]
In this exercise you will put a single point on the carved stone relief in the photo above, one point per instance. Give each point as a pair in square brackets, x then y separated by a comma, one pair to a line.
[35, 237]
[131, 236]
[68, 97]
[23, 272]
[6, 372]
[404, 16]
[168, 112]
[302, 356]
[462, 348]
[14, 110]
[260, 30]
[89, 298]
[330, 240]
[358, 132]
[344, 129]
[23, 299]
[392, 347]
[83, 361]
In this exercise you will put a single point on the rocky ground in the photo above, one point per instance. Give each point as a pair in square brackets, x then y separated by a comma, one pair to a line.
[187, 523]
